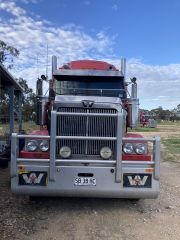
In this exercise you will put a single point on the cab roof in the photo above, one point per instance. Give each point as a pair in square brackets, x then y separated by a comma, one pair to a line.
[86, 68]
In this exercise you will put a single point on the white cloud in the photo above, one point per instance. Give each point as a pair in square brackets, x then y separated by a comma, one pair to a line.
[29, 1]
[160, 84]
[157, 85]
[31, 36]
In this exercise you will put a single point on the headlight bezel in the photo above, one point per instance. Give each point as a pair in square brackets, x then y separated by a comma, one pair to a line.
[41, 147]
[35, 143]
[66, 148]
[137, 147]
[125, 146]
[103, 150]
[38, 143]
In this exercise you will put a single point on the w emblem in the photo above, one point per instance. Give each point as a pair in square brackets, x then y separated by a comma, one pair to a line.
[33, 178]
[137, 180]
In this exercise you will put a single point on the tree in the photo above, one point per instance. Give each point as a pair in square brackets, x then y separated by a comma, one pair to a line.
[29, 99]
[161, 114]
[7, 54]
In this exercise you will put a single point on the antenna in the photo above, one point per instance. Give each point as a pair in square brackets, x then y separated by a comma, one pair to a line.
[47, 56]
[37, 66]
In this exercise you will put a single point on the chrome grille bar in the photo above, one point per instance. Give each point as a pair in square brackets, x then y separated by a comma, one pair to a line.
[86, 130]
[86, 138]
[87, 114]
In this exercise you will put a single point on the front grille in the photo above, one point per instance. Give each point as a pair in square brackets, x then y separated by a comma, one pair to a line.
[89, 126]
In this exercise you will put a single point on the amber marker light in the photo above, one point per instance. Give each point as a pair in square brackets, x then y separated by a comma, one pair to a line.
[149, 170]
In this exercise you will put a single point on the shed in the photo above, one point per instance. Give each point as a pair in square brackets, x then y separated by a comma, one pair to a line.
[12, 88]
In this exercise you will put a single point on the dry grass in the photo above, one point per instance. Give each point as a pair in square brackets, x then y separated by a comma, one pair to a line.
[27, 126]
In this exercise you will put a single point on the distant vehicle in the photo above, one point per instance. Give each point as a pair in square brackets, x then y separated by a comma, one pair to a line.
[83, 147]
[147, 120]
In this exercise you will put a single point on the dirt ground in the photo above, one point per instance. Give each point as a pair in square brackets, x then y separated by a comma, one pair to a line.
[94, 219]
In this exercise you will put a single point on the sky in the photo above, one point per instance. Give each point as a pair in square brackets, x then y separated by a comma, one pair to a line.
[145, 32]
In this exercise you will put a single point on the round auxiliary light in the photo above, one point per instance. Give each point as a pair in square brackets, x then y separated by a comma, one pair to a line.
[128, 148]
[65, 152]
[32, 145]
[140, 148]
[44, 146]
[105, 152]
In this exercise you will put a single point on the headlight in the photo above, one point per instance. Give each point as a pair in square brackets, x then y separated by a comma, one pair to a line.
[32, 145]
[44, 146]
[65, 152]
[140, 148]
[128, 148]
[105, 152]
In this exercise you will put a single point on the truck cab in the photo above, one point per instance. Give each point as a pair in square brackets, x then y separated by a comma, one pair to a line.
[86, 150]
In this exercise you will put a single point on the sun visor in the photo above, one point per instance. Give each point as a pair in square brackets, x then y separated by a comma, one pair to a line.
[85, 75]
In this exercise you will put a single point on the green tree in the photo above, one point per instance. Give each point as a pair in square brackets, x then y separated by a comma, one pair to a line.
[29, 99]
[161, 114]
[7, 54]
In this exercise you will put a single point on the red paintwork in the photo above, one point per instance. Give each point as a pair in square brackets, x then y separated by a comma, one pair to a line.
[39, 132]
[128, 108]
[135, 135]
[89, 64]
[37, 155]
[135, 157]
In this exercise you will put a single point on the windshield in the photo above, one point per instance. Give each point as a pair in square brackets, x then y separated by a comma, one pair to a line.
[92, 87]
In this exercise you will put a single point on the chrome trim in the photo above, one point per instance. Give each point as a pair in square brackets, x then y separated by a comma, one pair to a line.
[53, 146]
[34, 136]
[151, 139]
[86, 138]
[118, 176]
[156, 157]
[88, 114]
[44, 160]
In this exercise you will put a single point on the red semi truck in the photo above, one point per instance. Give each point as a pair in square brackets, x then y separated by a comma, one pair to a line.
[83, 147]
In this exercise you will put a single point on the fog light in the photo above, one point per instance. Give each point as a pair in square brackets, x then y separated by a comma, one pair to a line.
[65, 152]
[105, 152]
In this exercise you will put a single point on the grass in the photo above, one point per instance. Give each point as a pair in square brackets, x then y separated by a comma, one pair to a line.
[143, 129]
[172, 144]
[170, 123]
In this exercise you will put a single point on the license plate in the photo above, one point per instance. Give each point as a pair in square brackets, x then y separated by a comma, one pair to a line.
[85, 181]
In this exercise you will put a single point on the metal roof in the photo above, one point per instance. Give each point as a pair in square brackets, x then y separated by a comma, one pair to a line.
[6, 79]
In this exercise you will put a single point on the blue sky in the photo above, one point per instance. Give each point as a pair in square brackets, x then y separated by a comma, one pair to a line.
[146, 32]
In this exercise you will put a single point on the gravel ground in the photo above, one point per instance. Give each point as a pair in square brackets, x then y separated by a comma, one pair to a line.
[90, 218]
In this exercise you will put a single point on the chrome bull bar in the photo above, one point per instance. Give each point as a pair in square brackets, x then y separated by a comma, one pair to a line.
[52, 160]
[52, 164]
